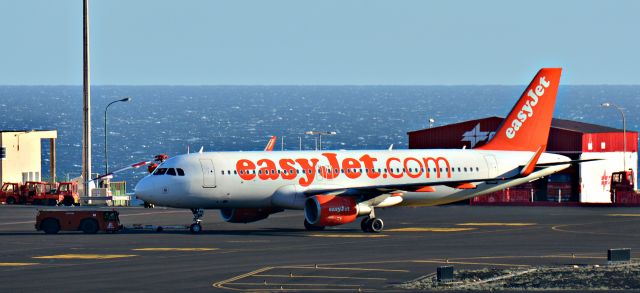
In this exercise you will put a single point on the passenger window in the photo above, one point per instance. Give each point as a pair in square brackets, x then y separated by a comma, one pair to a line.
[160, 171]
[222, 172]
[477, 169]
[180, 172]
[171, 172]
[465, 169]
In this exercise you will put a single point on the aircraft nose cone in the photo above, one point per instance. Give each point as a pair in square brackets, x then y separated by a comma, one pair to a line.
[143, 190]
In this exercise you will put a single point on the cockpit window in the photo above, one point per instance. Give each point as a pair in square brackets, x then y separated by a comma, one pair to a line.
[180, 171]
[171, 172]
[160, 171]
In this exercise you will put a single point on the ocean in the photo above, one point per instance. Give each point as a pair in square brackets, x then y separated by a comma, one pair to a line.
[172, 119]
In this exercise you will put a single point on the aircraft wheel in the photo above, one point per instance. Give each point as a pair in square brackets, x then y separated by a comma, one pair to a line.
[311, 227]
[364, 224]
[195, 228]
[375, 225]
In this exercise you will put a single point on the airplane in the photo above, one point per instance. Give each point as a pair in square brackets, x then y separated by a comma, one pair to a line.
[270, 144]
[337, 187]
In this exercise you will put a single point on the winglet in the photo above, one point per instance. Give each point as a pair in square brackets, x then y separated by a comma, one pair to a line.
[528, 168]
[270, 144]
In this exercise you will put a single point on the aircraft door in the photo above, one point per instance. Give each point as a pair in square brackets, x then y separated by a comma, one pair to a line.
[492, 166]
[208, 173]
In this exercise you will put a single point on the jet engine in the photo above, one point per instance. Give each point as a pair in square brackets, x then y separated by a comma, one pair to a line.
[331, 210]
[247, 215]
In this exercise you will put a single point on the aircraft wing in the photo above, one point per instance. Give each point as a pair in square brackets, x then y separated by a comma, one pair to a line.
[375, 190]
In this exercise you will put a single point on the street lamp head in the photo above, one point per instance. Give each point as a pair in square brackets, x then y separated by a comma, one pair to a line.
[126, 99]
[605, 104]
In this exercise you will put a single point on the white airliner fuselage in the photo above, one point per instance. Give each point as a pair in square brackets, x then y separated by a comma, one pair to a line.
[212, 180]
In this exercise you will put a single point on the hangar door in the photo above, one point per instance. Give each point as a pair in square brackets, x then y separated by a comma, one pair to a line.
[208, 173]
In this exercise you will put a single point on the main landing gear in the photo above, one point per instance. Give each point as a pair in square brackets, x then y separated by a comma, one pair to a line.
[372, 225]
[196, 228]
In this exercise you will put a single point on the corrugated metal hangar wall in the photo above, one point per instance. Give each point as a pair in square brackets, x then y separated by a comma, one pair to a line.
[587, 182]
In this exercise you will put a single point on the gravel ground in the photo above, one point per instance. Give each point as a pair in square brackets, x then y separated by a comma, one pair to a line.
[612, 277]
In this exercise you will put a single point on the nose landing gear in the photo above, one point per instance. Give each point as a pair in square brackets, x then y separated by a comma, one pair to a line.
[196, 227]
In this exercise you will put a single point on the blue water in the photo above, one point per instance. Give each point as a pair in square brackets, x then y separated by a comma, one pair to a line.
[168, 119]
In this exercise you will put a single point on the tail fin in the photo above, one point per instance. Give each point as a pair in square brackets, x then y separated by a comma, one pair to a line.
[270, 144]
[526, 128]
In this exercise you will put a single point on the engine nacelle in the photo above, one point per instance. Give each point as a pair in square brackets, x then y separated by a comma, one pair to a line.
[248, 215]
[331, 210]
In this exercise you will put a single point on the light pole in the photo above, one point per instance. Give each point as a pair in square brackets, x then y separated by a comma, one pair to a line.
[106, 156]
[320, 134]
[624, 132]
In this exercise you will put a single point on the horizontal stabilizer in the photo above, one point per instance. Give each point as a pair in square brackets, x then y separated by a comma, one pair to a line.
[567, 162]
[531, 165]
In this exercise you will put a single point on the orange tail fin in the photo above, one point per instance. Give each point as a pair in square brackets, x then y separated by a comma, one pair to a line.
[270, 144]
[526, 128]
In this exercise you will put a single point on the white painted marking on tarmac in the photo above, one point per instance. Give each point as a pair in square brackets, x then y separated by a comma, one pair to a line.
[17, 223]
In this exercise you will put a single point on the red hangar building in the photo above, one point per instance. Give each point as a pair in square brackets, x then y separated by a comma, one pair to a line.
[581, 183]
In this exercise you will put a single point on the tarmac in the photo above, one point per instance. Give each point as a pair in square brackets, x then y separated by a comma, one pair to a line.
[277, 254]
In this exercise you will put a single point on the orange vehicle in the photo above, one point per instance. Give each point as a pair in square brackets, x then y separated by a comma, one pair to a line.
[67, 194]
[622, 188]
[38, 193]
[87, 221]
[10, 193]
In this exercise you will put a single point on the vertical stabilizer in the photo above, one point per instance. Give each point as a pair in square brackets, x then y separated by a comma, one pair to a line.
[526, 128]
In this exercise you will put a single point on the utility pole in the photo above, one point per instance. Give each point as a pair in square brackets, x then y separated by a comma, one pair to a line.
[86, 138]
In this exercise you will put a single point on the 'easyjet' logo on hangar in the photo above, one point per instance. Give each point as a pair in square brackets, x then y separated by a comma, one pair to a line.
[290, 169]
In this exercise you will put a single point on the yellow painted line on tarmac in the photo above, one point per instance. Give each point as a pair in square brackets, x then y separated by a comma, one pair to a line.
[17, 264]
[222, 284]
[296, 285]
[319, 277]
[471, 263]
[623, 215]
[343, 269]
[498, 224]
[85, 256]
[426, 229]
[175, 249]
[349, 235]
